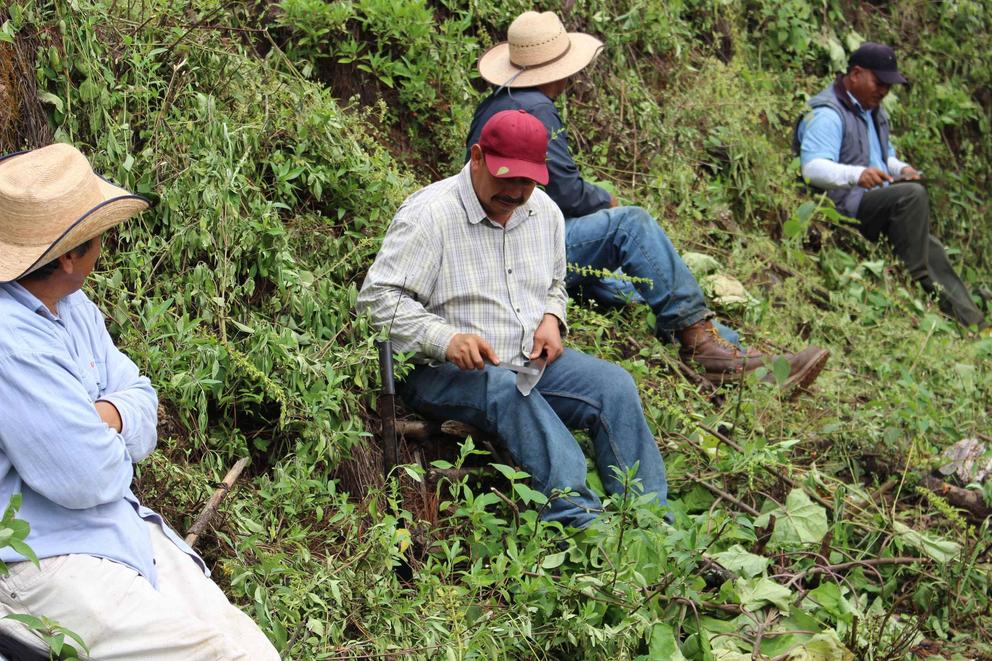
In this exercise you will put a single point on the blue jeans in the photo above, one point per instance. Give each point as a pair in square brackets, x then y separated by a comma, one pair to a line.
[577, 391]
[628, 238]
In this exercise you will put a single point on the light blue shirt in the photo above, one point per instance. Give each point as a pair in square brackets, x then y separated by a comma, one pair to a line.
[821, 136]
[73, 470]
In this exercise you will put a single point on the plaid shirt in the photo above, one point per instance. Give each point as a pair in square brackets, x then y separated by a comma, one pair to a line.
[445, 268]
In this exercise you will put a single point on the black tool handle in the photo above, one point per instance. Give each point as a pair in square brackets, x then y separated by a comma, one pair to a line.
[387, 407]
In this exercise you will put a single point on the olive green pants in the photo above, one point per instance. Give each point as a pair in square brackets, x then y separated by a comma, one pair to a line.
[902, 213]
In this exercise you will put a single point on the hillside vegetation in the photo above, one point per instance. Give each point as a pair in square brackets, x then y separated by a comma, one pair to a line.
[277, 138]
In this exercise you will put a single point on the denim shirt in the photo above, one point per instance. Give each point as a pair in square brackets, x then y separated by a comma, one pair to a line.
[73, 470]
[573, 195]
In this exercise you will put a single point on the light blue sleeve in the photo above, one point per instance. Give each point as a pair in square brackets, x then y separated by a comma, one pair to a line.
[54, 437]
[130, 392]
[821, 134]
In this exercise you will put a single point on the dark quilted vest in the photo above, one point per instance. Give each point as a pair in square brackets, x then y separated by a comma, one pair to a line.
[854, 146]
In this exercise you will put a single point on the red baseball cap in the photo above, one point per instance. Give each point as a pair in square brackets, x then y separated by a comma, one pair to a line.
[516, 145]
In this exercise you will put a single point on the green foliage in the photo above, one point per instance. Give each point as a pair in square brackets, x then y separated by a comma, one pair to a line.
[13, 532]
[54, 636]
[278, 138]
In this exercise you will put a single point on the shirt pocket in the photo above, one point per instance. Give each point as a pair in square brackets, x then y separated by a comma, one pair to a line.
[100, 371]
[94, 378]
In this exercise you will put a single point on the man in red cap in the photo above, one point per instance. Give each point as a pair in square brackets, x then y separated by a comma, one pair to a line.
[843, 145]
[471, 280]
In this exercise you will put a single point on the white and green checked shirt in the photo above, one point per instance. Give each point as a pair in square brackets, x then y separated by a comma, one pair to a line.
[445, 268]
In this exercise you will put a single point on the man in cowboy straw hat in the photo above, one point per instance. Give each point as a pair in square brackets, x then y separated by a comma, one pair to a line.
[471, 278]
[529, 72]
[76, 417]
[844, 148]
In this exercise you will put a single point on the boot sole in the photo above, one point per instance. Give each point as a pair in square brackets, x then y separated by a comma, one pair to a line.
[801, 380]
[805, 377]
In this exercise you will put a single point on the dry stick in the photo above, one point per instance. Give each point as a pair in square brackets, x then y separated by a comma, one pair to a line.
[716, 490]
[785, 478]
[760, 633]
[870, 562]
[693, 377]
[923, 347]
[726, 496]
[510, 503]
[211, 508]
[970, 501]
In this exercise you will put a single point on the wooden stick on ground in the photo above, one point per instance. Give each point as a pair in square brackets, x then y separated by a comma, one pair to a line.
[211, 507]
[970, 501]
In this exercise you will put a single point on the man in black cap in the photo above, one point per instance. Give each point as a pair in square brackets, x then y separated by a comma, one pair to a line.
[844, 148]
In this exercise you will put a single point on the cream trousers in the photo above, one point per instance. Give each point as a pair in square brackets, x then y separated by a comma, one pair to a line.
[120, 615]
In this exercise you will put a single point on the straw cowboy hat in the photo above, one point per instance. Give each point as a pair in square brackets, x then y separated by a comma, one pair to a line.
[50, 202]
[537, 51]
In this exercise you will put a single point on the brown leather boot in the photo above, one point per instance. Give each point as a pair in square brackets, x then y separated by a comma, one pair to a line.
[804, 367]
[722, 361]
[719, 359]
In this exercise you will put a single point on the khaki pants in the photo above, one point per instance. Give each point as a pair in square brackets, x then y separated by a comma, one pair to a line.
[120, 615]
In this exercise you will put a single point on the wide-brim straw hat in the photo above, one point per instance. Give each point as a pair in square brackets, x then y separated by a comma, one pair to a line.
[538, 51]
[51, 201]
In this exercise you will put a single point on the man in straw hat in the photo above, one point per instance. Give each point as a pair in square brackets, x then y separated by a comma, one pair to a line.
[844, 148]
[530, 71]
[76, 417]
[471, 279]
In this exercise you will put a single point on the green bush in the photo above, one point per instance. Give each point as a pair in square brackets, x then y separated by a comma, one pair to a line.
[278, 138]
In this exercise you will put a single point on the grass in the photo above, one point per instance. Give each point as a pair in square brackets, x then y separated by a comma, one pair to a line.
[279, 138]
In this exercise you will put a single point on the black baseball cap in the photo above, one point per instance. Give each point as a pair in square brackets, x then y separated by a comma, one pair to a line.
[879, 58]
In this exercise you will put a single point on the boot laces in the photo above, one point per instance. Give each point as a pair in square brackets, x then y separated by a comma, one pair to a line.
[719, 339]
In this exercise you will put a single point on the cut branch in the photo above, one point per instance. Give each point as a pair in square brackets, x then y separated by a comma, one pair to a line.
[970, 501]
[210, 510]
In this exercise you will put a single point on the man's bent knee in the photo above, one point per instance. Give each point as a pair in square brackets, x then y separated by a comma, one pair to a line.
[916, 195]
[636, 219]
[615, 382]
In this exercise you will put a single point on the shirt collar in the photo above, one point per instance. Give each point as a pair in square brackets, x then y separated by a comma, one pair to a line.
[857, 104]
[27, 299]
[473, 208]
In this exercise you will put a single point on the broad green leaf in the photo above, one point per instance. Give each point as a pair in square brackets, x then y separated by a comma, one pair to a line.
[241, 327]
[509, 472]
[755, 593]
[28, 620]
[24, 550]
[740, 561]
[12, 506]
[554, 560]
[824, 646]
[791, 228]
[838, 58]
[413, 473]
[938, 548]
[828, 596]
[529, 495]
[800, 522]
[55, 643]
[663, 644]
[781, 368]
[730, 655]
